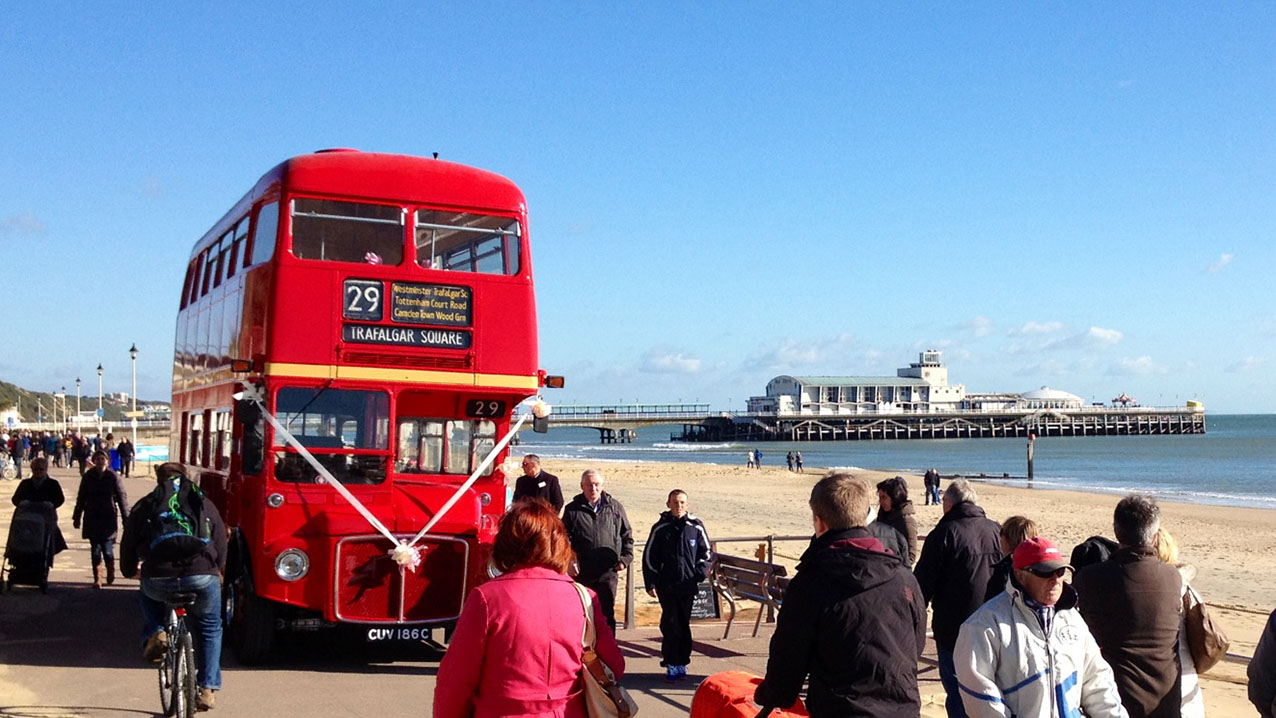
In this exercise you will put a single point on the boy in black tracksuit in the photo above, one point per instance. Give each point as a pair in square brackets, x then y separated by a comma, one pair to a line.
[675, 560]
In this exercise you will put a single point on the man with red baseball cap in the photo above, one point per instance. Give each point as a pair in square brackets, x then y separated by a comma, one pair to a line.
[1027, 652]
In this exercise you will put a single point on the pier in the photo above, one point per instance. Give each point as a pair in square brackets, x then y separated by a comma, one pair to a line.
[618, 423]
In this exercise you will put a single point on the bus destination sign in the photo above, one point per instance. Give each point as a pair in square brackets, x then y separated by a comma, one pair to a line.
[406, 336]
[413, 303]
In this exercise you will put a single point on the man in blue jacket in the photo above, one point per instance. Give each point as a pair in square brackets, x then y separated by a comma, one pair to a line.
[675, 561]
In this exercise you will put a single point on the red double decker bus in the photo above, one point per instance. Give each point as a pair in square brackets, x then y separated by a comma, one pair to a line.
[382, 307]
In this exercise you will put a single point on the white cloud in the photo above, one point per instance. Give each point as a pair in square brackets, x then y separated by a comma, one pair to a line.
[1223, 260]
[792, 353]
[1140, 365]
[669, 363]
[980, 326]
[1246, 364]
[1092, 338]
[1098, 336]
[1033, 327]
[23, 223]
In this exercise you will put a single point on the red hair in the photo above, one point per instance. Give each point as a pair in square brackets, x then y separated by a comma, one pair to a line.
[531, 534]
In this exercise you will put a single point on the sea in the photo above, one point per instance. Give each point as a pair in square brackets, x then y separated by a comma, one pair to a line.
[1232, 464]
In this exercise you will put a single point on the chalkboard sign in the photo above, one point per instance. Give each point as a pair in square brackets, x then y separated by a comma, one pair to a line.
[705, 605]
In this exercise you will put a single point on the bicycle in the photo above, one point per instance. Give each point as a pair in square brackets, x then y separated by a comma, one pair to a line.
[177, 667]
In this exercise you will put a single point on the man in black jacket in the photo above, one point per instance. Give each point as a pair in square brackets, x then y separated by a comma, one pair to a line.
[953, 570]
[602, 539]
[674, 562]
[537, 484]
[200, 573]
[1262, 671]
[853, 618]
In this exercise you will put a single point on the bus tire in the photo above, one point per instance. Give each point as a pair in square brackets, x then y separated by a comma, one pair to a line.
[251, 625]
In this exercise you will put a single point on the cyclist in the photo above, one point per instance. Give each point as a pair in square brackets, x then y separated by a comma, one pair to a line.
[200, 573]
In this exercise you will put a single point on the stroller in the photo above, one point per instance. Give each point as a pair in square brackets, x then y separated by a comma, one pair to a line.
[28, 553]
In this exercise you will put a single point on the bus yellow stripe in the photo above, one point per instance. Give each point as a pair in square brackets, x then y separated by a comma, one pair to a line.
[417, 376]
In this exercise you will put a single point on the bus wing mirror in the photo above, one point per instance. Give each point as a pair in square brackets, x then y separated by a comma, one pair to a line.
[540, 424]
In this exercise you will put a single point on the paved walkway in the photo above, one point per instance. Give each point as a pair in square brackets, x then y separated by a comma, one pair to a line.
[76, 650]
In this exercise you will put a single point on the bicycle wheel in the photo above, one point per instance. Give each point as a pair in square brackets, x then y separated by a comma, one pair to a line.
[168, 677]
[187, 688]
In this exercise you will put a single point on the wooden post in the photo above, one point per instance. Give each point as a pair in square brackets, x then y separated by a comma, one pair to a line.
[1031, 439]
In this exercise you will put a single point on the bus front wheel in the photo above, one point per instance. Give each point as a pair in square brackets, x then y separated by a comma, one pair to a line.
[251, 622]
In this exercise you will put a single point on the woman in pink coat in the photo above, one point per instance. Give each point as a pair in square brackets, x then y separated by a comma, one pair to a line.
[516, 651]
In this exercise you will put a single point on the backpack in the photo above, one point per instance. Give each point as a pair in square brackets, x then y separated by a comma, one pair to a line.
[179, 529]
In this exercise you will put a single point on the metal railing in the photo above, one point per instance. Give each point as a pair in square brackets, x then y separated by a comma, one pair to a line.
[629, 411]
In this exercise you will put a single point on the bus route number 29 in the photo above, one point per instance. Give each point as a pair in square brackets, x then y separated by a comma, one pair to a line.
[362, 300]
[484, 408]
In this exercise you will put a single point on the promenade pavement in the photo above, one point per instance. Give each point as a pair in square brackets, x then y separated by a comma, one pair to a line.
[76, 652]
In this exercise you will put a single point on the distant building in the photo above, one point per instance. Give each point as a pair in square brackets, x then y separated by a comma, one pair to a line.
[1047, 398]
[9, 417]
[921, 387]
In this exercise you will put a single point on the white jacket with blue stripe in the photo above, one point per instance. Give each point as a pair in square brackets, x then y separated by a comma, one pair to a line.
[1008, 667]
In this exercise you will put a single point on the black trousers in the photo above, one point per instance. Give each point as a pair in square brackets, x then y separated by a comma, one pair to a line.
[675, 628]
[605, 587]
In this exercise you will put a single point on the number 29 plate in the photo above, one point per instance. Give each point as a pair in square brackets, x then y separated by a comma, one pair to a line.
[484, 408]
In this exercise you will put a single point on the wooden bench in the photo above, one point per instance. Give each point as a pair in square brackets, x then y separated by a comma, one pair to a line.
[736, 579]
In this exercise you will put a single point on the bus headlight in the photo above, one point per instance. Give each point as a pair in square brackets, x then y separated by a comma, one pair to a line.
[292, 565]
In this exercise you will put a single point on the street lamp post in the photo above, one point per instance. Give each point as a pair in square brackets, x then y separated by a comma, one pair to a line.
[61, 397]
[77, 405]
[132, 353]
[100, 410]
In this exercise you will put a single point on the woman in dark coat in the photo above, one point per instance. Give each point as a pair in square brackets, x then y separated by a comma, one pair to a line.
[896, 511]
[42, 489]
[101, 493]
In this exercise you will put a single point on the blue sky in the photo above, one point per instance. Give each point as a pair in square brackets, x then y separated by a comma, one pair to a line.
[1073, 195]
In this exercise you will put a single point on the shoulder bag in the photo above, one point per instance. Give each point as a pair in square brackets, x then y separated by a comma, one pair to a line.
[1205, 637]
[604, 697]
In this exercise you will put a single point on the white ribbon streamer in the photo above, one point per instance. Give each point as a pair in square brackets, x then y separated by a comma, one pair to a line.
[251, 393]
[405, 553]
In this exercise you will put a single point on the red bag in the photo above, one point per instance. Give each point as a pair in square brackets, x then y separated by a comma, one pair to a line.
[729, 694]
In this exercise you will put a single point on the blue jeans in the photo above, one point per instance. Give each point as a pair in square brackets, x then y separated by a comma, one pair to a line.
[204, 619]
[932, 495]
[100, 550]
[948, 676]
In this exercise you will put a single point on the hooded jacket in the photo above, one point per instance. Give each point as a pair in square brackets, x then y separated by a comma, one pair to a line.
[1007, 665]
[677, 555]
[954, 568]
[854, 620]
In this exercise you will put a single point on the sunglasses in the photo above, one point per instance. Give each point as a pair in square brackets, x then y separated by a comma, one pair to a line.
[1047, 573]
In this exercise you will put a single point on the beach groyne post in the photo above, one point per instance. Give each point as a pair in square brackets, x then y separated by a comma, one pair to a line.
[1032, 439]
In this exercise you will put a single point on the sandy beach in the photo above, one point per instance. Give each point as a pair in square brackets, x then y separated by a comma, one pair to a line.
[1233, 549]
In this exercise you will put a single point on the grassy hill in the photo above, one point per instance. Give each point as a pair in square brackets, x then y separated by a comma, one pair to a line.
[32, 402]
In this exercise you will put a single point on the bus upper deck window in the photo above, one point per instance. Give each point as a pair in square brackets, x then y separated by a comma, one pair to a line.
[467, 242]
[332, 231]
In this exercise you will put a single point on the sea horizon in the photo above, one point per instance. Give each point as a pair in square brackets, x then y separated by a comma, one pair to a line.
[1232, 464]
